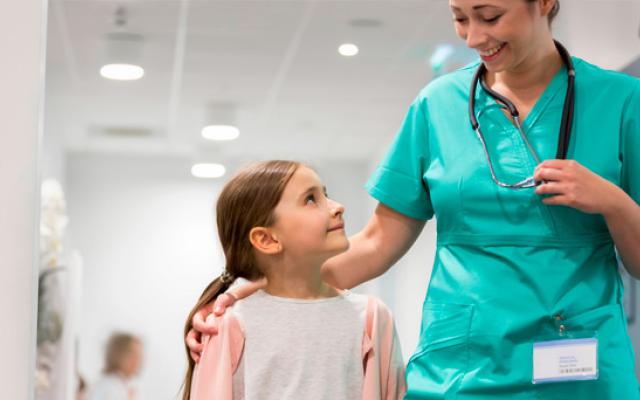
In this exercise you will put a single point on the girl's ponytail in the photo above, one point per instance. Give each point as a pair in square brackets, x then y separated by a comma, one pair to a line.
[210, 293]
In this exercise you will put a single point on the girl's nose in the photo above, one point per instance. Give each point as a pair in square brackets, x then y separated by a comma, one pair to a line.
[336, 208]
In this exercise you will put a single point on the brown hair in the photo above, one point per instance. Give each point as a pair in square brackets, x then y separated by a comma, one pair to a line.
[554, 11]
[246, 201]
[118, 346]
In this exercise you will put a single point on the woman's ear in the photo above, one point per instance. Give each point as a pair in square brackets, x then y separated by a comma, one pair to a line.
[264, 240]
[546, 6]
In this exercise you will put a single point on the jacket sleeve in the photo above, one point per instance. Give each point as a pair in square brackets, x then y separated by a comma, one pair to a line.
[213, 376]
[384, 377]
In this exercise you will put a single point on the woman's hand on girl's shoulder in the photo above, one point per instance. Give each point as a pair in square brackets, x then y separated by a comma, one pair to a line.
[201, 324]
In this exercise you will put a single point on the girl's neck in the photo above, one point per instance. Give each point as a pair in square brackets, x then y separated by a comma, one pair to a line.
[121, 375]
[297, 281]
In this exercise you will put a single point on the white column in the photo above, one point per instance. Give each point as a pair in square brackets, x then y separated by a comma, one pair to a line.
[22, 49]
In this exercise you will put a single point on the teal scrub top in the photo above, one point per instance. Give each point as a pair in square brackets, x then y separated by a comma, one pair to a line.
[509, 270]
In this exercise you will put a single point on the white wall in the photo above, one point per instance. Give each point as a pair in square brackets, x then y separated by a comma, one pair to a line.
[145, 231]
[22, 27]
[53, 159]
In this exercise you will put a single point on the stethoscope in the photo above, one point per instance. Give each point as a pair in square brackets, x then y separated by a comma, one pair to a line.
[565, 124]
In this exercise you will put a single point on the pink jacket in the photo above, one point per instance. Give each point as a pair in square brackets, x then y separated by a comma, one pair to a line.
[381, 357]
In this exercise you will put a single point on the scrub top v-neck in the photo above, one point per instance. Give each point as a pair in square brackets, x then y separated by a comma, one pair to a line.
[510, 271]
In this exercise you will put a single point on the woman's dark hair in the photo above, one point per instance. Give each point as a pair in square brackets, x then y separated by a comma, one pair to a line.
[248, 200]
[554, 11]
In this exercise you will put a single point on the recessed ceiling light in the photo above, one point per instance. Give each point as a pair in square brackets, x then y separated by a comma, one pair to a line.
[207, 170]
[220, 132]
[348, 49]
[365, 23]
[122, 72]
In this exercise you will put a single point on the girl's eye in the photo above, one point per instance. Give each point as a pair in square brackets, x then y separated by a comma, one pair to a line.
[459, 20]
[310, 199]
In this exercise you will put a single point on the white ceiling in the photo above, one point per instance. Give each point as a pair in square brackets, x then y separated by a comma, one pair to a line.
[277, 62]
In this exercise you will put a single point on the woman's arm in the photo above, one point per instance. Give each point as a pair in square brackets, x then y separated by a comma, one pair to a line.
[623, 221]
[386, 237]
[573, 185]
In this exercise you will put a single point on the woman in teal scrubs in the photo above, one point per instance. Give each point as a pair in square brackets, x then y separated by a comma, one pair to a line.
[514, 267]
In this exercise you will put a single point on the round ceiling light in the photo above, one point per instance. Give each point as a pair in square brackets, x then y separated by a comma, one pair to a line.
[208, 170]
[220, 132]
[348, 49]
[122, 72]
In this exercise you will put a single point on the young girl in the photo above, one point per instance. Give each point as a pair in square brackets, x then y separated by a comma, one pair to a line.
[298, 338]
[123, 361]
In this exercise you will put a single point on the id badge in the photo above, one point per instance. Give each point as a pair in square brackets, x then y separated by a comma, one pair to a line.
[565, 360]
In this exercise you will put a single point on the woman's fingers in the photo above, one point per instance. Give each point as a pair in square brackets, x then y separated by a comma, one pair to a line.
[550, 187]
[559, 200]
[200, 324]
[545, 174]
[195, 356]
[558, 164]
[193, 341]
[222, 302]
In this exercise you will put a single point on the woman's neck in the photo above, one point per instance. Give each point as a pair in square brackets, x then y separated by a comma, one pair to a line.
[297, 280]
[534, 73]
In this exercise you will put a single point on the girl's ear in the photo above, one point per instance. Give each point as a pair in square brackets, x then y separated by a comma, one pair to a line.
[264, 240]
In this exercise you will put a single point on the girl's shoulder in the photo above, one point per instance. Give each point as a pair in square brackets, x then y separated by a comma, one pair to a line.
[372, 307]
[356, 299]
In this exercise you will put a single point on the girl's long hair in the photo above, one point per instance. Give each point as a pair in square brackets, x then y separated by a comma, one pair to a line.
[246, 201]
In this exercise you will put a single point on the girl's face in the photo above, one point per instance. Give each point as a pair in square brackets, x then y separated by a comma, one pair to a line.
[132, 362]
[503, 32]
[307, 222]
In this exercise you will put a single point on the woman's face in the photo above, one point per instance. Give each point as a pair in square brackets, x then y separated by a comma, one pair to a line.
[503, 32]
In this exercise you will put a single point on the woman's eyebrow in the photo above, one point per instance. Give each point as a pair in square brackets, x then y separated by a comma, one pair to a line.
[481, 6]
[477, 7]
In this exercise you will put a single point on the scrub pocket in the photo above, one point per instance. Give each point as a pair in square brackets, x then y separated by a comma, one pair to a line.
[442, 356]
[615, 353]
[616, 363]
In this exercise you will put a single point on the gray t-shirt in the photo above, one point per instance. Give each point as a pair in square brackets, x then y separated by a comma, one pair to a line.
[300, 349]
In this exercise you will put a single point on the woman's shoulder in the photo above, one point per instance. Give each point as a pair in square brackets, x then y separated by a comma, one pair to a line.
[452, 85]
[459, 79]
[594, 77]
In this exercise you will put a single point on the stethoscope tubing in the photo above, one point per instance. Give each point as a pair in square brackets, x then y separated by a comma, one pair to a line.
[565, 124]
